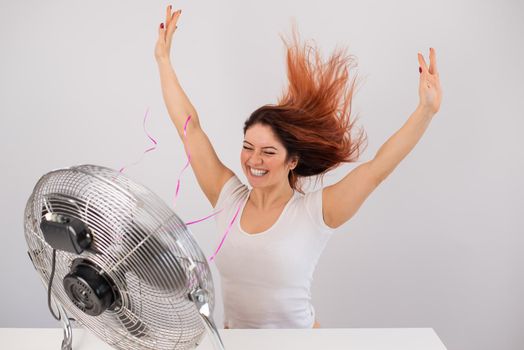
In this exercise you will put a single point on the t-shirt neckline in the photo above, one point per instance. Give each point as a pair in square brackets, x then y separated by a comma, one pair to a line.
[272, 226]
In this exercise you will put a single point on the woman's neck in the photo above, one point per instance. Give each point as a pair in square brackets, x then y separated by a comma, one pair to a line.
[265, 198]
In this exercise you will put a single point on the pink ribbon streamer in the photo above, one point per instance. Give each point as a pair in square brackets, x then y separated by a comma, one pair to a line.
[207, 217]
[178, 184]
[225, 233]
[199, 220]
[147, 150]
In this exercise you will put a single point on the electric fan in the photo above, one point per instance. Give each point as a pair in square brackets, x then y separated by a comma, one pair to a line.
[117, 260]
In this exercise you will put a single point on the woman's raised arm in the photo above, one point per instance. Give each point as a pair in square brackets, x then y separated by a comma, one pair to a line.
[178, 104]
[211, 174]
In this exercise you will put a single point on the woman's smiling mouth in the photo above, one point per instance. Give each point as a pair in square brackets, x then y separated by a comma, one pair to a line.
[257, 172]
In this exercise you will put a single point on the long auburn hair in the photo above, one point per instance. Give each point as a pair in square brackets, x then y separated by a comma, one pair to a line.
[312, 117]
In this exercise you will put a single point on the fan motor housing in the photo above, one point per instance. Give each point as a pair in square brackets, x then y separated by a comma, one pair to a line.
[89, 289]
[65, 233]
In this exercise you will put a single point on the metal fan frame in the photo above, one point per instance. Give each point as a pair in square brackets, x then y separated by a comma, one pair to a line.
[198, 296]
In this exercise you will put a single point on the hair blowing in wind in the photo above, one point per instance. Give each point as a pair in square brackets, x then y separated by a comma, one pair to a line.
[312, 118]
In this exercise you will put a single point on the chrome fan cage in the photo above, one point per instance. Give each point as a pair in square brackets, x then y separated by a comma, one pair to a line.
[159, 282]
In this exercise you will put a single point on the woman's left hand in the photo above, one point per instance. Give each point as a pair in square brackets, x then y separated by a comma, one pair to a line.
[429, 91]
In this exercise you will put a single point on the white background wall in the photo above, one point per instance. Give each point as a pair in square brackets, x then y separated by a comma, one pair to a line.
[438, 244]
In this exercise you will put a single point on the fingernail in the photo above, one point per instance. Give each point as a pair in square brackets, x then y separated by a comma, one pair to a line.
[419, 70]
[162, 25]
[170, 7]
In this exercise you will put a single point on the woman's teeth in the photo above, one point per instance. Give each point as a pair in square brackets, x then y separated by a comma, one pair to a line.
[256, 172]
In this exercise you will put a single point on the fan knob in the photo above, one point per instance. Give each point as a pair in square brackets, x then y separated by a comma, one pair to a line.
[88, 289]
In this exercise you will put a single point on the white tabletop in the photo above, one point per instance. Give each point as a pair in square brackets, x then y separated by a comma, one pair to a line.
[252, 339]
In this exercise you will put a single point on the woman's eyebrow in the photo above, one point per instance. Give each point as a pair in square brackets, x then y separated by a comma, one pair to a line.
[262, 147]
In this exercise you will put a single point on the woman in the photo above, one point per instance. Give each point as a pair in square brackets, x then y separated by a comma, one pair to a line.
[268, 259]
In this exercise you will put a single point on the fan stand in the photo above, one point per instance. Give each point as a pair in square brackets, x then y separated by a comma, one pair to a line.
[67, 343]
[199, 297]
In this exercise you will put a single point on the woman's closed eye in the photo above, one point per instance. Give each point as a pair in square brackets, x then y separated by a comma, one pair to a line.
[250, 149]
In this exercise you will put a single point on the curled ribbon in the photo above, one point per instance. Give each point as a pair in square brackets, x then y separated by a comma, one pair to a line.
[147, 150]
[215, 213]
[178, 184]
[225, 233]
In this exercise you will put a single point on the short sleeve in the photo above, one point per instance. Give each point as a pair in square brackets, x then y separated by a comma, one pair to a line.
[228, 190]
[313, 203]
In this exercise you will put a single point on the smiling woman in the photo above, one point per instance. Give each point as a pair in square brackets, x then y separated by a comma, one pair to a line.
[267, 263]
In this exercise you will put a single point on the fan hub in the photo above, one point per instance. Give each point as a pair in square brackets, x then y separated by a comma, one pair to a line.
[89, 288]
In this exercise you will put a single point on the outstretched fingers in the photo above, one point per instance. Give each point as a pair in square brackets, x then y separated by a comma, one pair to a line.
[432, 70]
[167, 28]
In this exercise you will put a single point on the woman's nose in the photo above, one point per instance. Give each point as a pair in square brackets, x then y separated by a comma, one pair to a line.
[255, 159]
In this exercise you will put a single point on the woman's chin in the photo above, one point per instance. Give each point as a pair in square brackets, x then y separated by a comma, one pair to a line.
[256, 181]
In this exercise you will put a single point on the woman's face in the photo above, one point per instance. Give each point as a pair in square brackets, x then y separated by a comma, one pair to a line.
[263, 157]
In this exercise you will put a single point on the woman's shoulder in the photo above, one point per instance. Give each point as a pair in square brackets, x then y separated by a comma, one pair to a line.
[311, 205]
[232, 191]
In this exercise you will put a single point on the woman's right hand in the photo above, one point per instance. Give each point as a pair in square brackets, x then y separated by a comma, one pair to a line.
[165, 34]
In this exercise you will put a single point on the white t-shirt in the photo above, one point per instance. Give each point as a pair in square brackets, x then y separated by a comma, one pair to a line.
[266, 277]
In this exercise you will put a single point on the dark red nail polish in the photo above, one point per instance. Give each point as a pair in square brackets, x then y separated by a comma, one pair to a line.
[162, 25]
[419, 70]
